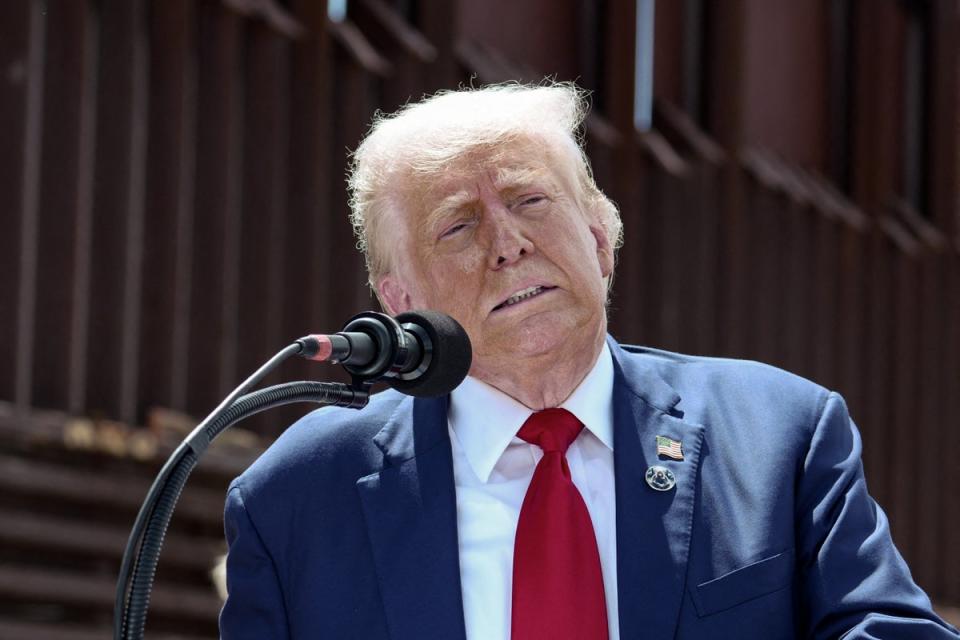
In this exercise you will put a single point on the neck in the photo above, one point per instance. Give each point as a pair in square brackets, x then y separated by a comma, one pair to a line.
[525, 380]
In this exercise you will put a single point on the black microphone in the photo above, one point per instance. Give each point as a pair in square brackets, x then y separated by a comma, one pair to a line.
[419, 353]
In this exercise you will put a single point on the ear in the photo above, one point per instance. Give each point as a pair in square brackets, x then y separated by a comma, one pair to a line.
[604, 250]
[393, 294]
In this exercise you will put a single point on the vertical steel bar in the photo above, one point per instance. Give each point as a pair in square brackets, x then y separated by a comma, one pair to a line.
[177, 93]
[164, 302]
[86, 143]
[902, 440]
[21, 54]
[111, 375]
[219, 148]
[948, 584]
[264, 200]
[309, 181]
[64, 206]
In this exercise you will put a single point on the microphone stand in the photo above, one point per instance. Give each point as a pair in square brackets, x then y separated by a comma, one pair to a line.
[142, 552]
[418, 333]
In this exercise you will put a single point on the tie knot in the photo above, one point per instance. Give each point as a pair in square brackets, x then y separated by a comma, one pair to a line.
[551, 430]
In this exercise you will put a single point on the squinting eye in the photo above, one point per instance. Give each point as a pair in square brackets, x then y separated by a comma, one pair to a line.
[452, 230]
[532, 200]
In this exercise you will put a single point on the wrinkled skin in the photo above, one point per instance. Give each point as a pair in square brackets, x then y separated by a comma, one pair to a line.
[493, 226]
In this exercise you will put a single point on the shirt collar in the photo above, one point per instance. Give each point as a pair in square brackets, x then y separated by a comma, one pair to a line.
[485, 420]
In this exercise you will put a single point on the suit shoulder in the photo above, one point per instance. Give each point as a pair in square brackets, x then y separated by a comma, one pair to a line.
[725, 371]
[327, 442]
[712, 386]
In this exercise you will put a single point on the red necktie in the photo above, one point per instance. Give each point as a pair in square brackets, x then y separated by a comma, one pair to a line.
[557, 583]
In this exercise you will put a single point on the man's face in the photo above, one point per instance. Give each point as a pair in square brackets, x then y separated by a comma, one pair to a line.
[503, 246]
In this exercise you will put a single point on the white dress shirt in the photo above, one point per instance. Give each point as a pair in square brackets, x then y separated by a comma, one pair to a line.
[492, 468]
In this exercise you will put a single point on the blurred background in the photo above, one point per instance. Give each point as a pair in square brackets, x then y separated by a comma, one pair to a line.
[173, 213]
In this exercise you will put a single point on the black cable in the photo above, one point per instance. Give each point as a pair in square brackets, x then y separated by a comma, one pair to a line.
[154, 517]
[195, 442]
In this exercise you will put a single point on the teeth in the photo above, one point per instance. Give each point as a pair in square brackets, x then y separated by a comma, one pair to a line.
[523, 295]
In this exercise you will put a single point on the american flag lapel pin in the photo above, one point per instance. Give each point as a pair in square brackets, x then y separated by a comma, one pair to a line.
[669, 447]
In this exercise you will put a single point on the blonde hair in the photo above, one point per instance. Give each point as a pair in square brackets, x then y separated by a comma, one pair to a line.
[423, 139]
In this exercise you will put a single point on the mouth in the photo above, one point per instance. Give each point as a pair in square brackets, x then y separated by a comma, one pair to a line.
[523, 296]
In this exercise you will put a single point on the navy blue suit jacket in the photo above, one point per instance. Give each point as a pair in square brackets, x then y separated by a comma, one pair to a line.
[347, 526]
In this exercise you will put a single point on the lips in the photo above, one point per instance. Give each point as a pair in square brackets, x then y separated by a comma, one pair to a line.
[523, 294]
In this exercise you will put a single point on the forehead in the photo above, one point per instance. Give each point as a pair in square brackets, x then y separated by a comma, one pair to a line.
[512, 165]
[414, 200]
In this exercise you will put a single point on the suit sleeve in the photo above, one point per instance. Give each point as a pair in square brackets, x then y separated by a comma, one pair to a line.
[255, 607]
[856, 584]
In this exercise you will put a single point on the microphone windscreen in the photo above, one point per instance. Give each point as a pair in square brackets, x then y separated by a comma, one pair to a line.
[449, 362]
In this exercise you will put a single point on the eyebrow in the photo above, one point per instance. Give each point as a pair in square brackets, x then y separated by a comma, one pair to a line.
[521, 176]
[448, 206]
[506, 179]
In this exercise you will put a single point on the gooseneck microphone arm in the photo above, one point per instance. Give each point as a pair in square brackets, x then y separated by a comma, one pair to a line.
[133, 594]
[434, 365]
[142, 552]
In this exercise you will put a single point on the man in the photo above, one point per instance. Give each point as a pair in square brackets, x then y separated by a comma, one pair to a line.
[570, 487]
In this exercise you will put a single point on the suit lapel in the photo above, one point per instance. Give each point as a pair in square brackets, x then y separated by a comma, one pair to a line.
[411, 515]
[410, 509]
[653, 527]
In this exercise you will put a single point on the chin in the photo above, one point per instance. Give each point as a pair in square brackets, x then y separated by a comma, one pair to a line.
[541, 339]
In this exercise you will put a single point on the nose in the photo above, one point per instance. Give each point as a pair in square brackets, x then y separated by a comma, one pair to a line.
[509, 242]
